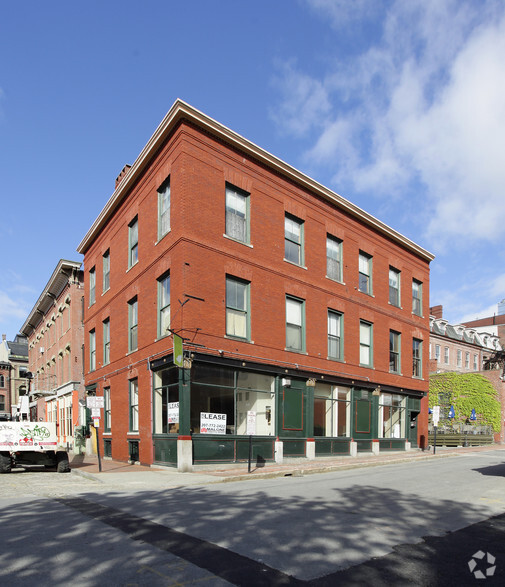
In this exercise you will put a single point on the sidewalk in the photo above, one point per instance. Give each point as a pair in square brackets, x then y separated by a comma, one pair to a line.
[156, 477]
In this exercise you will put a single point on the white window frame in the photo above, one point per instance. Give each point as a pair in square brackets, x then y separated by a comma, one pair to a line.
[133, 242]
[293, 240]
[365, 273]
[164, 203]
[164, 305]
[237, 214]
[333, 258]
[237, 308]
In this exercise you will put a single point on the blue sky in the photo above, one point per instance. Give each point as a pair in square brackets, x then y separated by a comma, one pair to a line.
[397, 106]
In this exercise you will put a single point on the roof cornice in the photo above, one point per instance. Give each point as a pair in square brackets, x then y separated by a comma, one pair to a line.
[48, 292]
[180, 110]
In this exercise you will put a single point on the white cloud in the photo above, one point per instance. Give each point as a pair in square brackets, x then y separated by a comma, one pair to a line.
[12, 308]
[305, 101]
[422, 106]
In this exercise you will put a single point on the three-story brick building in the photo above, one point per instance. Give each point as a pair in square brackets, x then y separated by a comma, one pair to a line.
[304, 320]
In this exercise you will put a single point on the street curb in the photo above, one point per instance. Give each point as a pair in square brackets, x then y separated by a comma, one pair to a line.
[85, 475]
[300, 472]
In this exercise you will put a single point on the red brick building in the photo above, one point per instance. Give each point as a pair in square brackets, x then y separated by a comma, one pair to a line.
[304, 319]
[54, 329]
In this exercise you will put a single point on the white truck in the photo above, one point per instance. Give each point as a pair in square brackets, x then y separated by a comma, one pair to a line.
[31, 443]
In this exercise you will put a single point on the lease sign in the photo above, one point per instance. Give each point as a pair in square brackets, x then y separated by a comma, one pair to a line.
[211, 423]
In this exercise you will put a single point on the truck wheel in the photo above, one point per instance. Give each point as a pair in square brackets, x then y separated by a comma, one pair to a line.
[62, 464]
[5, 462]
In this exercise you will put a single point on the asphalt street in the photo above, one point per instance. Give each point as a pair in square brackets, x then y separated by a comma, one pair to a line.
[430, 522]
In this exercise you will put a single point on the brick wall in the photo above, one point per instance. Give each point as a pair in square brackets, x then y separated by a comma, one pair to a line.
[199, 257]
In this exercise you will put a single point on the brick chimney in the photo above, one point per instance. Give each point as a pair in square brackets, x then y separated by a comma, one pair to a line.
[124, 171]
[436, 311]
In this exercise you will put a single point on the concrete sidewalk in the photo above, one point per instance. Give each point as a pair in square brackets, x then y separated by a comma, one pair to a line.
[156, 477]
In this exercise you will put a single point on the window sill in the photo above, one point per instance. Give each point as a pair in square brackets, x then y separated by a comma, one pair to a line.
[132, 266]
[296, 351]
[295, 264]
[236, 240]
[105, 291]
[395, 306]
[367, 366]
[106, 434]
[131, 352]
[335, 280]
[335, 360]
[160, 238]
[238, 339]
[371, 295]
[133, 434]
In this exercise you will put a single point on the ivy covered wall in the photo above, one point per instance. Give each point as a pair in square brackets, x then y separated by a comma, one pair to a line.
[465, 391]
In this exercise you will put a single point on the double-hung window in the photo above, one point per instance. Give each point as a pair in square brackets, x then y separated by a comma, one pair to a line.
[365, 344]
[164, 209]
[394, 287]
[459, 358]
[437, 353]
[467, 360]
[132, 324]
[106, 409]
[106, 341]
[293, 240]
[163, 305]
[333, 258]
[133, 405]
[237, 308]
[446, 355]
[417, 297]
[237, 214]
[106, 271]
[394, 352]
[92, 350]
[365, 273]
[92, 286]
[334, 335]
[133, 242]
[417, 358]
[295, 324]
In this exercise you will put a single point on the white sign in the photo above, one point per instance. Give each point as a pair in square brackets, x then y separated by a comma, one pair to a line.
[212, 423]
[173, 412]
[435, 416]
[95, 412]
[251, 422]
[96, 422]
[94, 401]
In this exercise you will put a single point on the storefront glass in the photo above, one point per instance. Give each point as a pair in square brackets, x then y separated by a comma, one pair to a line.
[331, 410]
[166, 401]
[391, 416]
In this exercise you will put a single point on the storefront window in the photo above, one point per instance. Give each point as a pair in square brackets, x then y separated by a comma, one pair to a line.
[255, 393]
[391, 416]
[166, 401]
[331, 410]
[223, 391]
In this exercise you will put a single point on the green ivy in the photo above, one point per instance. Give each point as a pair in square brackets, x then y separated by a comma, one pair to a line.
[465, 391]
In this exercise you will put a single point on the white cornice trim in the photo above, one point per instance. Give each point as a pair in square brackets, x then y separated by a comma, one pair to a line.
[181, 110]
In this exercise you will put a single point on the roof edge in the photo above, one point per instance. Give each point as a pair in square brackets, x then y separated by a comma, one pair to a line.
[182, 110]
[27, 327]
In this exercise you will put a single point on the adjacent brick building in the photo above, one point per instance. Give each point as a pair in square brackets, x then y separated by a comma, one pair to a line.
[304, 320]
[13, 370]
[458, 347]
[54, 329]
